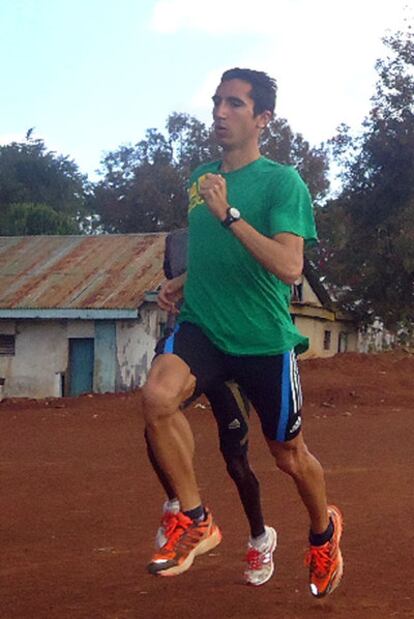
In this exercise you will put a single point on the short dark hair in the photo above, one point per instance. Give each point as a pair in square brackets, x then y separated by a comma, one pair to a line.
[263, 90]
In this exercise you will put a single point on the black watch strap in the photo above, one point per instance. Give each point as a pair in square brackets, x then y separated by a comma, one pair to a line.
[230, 218]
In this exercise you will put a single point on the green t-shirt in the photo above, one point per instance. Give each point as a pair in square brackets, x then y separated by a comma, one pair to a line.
[238, 304]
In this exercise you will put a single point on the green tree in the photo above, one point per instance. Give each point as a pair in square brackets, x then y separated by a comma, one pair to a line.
[142, 189]
[35, 183]
[152, 200]
[191, 141]
[280, 143]
[367, 233]
[32, 219]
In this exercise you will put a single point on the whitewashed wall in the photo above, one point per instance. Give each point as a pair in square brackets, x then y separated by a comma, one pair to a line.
[42, 351]
[135, 347]
[40, 355]
[314, 330]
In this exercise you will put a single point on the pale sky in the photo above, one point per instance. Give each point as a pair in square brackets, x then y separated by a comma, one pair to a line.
[91, 75]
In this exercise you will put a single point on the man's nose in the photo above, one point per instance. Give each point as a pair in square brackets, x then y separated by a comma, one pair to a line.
[220, 110]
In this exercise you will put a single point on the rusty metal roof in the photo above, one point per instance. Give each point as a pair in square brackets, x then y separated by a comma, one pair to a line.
[104, 272]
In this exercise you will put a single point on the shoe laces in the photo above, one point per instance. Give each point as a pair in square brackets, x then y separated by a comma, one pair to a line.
[319, 559]
[256, 559]
[176, 526]
[168, 523]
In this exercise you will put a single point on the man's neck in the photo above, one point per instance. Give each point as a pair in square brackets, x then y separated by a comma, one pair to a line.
[234, 159]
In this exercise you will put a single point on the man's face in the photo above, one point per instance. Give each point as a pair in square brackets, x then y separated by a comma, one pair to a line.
[235, 125]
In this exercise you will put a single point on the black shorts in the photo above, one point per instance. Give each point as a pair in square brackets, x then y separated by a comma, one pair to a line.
[271, 383]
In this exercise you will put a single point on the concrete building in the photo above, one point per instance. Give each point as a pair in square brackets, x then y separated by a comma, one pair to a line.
[317, 316]
[75, 315]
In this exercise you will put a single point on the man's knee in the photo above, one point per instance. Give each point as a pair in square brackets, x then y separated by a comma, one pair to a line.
[167, 386]
[291, 456]
[159, 403]
[157, 397]
[238, 468]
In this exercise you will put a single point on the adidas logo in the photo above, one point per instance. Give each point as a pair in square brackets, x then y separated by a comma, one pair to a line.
[234, 425]
[296, 425]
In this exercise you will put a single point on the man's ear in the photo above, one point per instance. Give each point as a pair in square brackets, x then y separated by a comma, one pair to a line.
[263, 119]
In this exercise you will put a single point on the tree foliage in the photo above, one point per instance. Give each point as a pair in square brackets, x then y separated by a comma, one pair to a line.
[280, 143]
[367, 233]
[40, 190]
[144, 186]
[32, 219]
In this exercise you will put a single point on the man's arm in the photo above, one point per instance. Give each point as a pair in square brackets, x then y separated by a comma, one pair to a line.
[282, 255]
[171, 292]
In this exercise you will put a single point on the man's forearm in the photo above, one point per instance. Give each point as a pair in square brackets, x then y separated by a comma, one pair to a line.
[282, 256]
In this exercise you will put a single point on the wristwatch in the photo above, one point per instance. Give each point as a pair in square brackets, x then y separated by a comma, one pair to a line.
[233, 214]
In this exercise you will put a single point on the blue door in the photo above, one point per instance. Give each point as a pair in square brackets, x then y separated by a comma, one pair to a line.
[81, 360]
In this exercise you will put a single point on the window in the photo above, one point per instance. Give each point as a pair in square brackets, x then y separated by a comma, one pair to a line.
[7, 344]
[297, 293]
[326, 340]
[343, 342]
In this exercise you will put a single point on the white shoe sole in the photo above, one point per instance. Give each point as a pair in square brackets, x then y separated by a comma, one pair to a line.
[202, 548]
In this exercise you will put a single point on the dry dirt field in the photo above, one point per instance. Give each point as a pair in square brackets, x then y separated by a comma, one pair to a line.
[80, 506]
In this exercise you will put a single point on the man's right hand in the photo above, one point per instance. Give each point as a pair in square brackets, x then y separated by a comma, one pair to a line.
[170, 293]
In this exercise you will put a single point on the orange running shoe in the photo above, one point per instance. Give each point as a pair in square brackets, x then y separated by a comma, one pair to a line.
[186, 540]
[325, 562]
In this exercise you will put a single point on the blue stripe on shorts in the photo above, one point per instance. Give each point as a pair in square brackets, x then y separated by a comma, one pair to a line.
[169, 342]
[285, 398]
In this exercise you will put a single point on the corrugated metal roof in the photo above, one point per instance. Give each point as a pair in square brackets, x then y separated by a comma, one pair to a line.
[79, 272]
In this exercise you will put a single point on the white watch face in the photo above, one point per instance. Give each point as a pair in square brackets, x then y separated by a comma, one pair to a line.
[234, 212]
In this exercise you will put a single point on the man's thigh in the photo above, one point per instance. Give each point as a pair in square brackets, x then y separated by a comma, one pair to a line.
[205, 361]
[272, 384]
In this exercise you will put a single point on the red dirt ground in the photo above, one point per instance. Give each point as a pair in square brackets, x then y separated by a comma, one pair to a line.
[80, 506]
